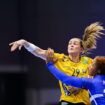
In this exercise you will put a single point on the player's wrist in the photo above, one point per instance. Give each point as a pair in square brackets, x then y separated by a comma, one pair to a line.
[30, 47]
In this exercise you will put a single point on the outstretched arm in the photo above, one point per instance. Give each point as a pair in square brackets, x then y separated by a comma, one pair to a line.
[35, 50]
[68, 80]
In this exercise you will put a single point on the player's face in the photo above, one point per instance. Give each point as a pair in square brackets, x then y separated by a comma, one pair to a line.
[92, 68]
[74, 46]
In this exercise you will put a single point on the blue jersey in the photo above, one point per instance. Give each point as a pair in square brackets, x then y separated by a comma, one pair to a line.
[95, 86]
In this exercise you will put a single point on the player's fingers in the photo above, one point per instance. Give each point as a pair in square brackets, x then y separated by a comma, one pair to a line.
[76, 91]
[55, 59]
[48, 52]
[51, 52]
[14, 47]
[20, 47]
[11, 43]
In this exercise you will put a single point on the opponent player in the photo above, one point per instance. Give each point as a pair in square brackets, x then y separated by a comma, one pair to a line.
[72, 64]
[95, 86]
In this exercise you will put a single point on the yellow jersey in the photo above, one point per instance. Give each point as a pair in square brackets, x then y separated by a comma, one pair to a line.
[79, 69]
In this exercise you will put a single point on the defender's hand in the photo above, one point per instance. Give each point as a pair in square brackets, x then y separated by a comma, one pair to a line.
[50, 56]
[74, 90]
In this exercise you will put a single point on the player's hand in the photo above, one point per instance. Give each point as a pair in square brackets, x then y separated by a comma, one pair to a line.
[17, 45]
[50, 56]
[74, 90]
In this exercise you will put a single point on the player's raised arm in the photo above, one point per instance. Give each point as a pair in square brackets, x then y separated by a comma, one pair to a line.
[35, 50]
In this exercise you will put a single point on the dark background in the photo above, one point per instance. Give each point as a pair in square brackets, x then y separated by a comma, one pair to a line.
[46, 23]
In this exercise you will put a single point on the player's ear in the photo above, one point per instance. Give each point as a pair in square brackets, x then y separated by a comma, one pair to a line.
[83, 51]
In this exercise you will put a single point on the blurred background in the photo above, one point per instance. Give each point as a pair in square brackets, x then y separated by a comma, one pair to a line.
[24, 79]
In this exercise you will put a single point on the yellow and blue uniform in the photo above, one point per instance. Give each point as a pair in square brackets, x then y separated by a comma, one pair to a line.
[79, 69]
[95, 86]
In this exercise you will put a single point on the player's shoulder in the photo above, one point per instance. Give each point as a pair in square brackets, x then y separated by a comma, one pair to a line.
[60, 55]
[87, 59]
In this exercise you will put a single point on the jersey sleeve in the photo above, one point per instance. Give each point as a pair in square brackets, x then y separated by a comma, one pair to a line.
[68, 80]
[87, 82]
[58, 55]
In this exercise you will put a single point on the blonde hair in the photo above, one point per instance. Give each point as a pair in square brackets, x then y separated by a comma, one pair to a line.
[91, 34]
